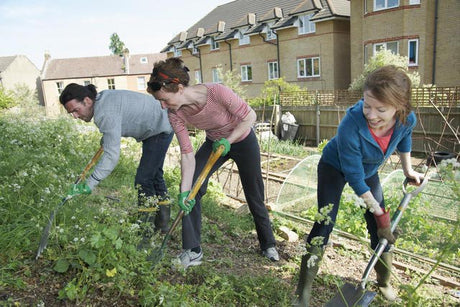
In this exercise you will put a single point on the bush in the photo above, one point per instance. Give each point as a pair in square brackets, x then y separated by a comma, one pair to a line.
[6, 99]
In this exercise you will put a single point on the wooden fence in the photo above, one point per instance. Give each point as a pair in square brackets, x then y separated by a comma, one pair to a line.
[318, 114]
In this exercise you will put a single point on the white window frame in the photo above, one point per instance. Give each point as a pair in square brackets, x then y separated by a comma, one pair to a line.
[214, 44]
[302, 67]
[246, 73]
[273, 71]
[216, 75]
[60, 86]
[141, 83]
[409, 48]
[270, 32]
[378, 46]
[385, 4]
[243, 39]
[198, 77]
[111, 83]
[195, 50]
[414, 2]
[305, 25]
[177, 52]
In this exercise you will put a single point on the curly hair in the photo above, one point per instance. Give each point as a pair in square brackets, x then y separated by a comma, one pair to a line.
[391, 85]
[168, 74]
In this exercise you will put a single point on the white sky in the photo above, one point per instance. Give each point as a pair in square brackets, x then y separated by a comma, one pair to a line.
[81, 28]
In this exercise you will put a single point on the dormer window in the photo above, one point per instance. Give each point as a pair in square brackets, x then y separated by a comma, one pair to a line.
[243, 39]
[177, 52]
[270, 33]
[305, 25]
[214, 44]
[195, 50]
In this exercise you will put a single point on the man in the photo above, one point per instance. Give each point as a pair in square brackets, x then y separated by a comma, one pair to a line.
[121, 113]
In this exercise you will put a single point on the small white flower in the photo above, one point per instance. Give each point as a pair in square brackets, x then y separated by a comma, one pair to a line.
[47, 191]
[75, 239]
[73, 217]
[82, 239]
[61, 230]
[121, 221]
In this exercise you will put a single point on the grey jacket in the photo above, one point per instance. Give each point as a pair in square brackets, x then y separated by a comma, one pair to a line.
[121, 113]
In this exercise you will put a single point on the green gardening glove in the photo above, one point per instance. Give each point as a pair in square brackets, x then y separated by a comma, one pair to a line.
[184, 204]
[222, 141]
[78, 189]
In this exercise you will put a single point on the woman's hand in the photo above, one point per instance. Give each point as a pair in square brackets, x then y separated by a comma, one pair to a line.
[411, 174]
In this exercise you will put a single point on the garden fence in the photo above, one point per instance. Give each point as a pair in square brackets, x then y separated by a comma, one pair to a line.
[318, 114]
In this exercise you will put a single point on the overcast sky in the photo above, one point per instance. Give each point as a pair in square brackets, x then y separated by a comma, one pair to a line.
[81, 28]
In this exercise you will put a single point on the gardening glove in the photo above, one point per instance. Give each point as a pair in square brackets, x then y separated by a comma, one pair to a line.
[78, 189]
[222, 141]
[384, 227]
[184, 204]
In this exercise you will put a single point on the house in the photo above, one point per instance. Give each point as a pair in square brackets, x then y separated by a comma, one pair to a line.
[18, 70]
[129, 72]
[305, 42]
[424, 31]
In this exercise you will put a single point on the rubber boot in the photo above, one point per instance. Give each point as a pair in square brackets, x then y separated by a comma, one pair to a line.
[308, 270]
[383, 269]
[162, 218]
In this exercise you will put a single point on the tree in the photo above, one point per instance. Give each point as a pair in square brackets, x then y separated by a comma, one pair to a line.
[382, 58]
[116, 45]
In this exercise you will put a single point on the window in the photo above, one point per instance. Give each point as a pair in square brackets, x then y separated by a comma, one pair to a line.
[244, 39]
[86, 82]
[141, 83]
[305, 25]
[246, 73]
[412, 52]
[216, 75]
[272, 70]
[414, 2]
[385, 4]
[195, 50]
[111, 84]
[308, 67]
[144, 60]
[214, 44]
[270, 33]
[60, 86]
[177, 52]
[392, 46]
[198, 76]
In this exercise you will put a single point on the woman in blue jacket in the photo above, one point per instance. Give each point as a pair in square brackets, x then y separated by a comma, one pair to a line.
[370, 132]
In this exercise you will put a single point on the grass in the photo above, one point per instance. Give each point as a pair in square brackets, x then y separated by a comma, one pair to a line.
[91, 258]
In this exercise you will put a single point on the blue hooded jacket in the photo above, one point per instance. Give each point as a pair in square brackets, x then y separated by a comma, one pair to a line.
[355, 153]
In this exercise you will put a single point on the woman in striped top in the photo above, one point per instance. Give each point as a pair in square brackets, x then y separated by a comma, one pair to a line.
[227, 120]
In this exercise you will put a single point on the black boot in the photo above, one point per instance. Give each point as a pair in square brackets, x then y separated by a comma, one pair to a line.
[162, 218]
[383, 269]
[308, 270]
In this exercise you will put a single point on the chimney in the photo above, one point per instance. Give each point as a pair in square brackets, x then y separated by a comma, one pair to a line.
[278, 12]
[126, 60]
[251, 18]
[183, 36]
[200, 32]
[221, 26]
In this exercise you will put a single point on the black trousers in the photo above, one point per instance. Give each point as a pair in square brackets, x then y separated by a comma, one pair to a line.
[246, 155]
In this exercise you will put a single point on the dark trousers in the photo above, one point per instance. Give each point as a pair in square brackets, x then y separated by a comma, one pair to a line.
[330, 186]
[149, 177]
[246, 155]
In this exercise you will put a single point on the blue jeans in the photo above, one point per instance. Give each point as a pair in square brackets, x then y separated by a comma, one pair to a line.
[246, 155]
[149, 177]
[330, 187]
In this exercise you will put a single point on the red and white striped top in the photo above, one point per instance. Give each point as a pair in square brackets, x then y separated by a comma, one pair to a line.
[223, 111]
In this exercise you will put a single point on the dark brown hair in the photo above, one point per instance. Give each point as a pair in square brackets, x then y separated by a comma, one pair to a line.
[391, 85]
[168, 74]
[77, 91]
